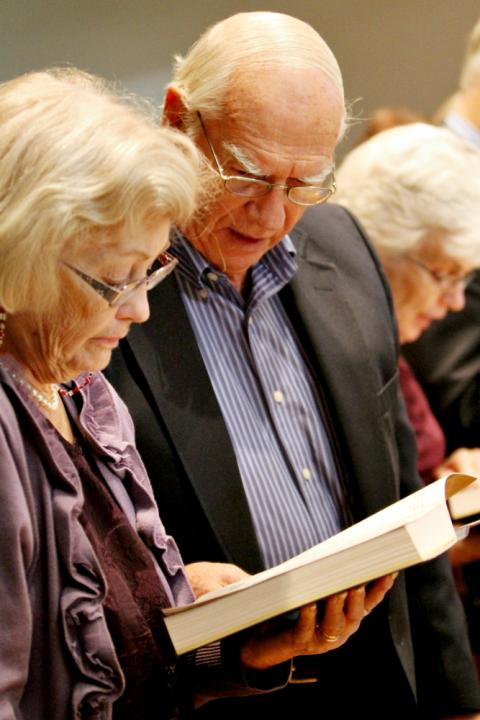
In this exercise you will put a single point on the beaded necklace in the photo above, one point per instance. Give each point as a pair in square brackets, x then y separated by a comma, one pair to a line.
[77, 388]
[50, 401]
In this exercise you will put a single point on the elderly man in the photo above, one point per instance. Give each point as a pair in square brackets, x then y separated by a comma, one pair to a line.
[266, 399]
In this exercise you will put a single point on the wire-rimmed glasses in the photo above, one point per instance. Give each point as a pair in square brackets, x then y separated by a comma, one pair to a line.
[249, 187]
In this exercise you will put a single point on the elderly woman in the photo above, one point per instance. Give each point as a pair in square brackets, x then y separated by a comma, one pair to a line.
[416, 191]
[89, 186]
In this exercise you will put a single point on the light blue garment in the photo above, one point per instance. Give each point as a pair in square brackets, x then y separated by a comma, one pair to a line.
[462, 127]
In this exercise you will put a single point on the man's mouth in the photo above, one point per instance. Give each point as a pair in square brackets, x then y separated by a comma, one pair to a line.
[247, 238]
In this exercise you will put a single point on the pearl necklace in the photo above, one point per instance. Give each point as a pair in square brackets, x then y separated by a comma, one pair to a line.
[51, 402]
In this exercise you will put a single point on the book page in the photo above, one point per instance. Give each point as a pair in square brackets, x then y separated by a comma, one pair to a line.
[466, 502]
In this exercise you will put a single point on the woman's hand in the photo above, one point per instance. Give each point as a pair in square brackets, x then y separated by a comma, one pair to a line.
[207, 576]
[463, 460]
[313, 635]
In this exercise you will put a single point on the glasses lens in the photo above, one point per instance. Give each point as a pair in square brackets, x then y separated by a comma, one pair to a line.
[453, 283]
[246, 187]
[468, 279]
[446, 283]
[162, 267]
[308, 194]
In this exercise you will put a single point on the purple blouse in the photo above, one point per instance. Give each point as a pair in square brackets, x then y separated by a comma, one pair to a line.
[55, 647]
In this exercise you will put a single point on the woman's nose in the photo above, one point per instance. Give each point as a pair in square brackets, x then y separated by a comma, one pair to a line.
[136, 307]
[454, 297]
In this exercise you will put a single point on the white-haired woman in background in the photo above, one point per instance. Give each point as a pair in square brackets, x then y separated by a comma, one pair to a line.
[416, 191]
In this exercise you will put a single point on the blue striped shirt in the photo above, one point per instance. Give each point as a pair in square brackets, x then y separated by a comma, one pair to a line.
[268, 399]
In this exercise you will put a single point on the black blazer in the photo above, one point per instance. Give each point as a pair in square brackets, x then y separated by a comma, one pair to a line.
[341, 307]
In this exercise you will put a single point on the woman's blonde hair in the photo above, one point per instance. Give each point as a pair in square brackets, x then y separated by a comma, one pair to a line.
[244, 43]
[78, 159]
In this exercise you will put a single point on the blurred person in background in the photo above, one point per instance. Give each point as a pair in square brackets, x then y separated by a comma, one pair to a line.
[396, 184]
[386, 117]
[446, 359]
[452, 380]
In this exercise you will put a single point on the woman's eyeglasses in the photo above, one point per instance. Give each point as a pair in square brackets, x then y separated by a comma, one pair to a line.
[117, 294]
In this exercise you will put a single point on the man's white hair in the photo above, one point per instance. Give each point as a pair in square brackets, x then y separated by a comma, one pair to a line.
[243, 43]
[411, 181]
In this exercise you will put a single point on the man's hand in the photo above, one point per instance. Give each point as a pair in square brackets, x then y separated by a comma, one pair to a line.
[207, 576]
[313, 635]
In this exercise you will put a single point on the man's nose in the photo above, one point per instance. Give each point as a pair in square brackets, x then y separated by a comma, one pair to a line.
[269, 210]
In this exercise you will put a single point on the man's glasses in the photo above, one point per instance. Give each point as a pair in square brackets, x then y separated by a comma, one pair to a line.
[250, 187]
[117, 294]
[446, 282]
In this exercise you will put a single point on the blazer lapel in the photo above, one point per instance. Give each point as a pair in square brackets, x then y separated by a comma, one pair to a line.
[351, 383]
[169, 358]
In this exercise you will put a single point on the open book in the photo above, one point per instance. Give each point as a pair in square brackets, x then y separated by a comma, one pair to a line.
[416, 528]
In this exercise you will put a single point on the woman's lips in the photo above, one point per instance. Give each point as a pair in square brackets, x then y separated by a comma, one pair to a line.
[425, 321]
[110, 342]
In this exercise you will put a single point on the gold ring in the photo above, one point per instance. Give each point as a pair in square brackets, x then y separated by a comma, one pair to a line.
[327, 637]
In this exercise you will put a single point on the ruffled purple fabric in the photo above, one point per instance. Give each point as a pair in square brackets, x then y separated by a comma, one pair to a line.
[106, 424]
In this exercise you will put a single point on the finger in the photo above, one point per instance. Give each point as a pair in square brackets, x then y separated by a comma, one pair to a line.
[355, 604]
[304, 628]
[377, 590]
[333, 621]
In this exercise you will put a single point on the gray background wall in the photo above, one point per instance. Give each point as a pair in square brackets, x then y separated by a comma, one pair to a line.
[390, 51]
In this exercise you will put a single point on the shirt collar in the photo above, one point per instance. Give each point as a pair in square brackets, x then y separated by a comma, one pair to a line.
[193, 266]
[462, 127]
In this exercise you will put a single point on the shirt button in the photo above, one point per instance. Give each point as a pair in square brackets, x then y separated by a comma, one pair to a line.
[203, 294]
[250, 321]
[213, 277]
[306, 474]
[278, 396]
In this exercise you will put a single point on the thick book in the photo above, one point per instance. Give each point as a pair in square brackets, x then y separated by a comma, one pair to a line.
[417, 528]
[465, 504]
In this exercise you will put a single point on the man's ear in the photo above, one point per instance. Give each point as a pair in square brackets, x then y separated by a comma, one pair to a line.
[173, 108]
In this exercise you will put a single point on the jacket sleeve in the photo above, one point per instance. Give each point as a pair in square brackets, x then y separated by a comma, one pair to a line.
[447, 682]
[217, 672]
[424, 598]
[17, 543]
